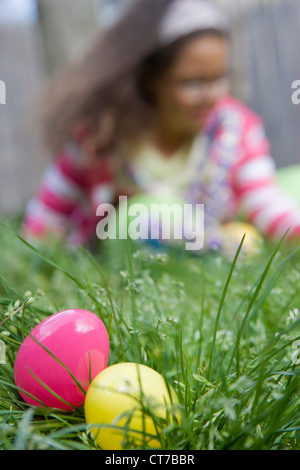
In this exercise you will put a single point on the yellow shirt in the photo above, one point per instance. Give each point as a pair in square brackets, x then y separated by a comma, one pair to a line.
[157, 174]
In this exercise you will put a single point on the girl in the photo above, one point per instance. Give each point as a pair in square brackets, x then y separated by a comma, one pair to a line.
[148, 110]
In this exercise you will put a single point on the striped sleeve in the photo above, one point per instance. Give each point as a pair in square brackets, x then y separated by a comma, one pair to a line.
[261, 201]
[60, 205]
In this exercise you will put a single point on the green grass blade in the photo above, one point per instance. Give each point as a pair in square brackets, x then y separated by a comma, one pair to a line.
[221, 304]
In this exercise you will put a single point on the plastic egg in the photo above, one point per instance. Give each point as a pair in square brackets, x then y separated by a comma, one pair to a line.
[231, 237]
[118, 397]
[56, 368]
[151, 218]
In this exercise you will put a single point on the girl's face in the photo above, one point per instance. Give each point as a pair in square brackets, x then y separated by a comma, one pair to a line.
[190, 88]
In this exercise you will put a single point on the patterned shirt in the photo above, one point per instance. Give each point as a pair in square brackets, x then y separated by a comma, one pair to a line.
[230, 171]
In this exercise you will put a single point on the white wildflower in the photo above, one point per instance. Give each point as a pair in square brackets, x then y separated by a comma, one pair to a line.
[292, 317]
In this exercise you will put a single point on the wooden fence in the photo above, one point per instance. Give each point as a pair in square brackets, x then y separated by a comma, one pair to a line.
[21, 69]
[266, 61]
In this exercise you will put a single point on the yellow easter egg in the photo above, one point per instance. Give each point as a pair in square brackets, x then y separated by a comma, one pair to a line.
[232, 234]
[116, 401]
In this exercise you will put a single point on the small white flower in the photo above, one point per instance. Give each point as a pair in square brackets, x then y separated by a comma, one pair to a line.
[292, 317]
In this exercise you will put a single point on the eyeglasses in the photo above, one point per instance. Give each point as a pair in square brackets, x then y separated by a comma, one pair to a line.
[196, 88]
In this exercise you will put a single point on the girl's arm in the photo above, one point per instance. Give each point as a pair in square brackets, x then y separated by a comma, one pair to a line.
[60, 206]
[262, 202]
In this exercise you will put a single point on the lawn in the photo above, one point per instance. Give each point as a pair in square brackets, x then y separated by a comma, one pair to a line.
[222, 332]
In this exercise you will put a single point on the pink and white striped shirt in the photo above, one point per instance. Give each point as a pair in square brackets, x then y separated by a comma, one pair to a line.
[237, 176]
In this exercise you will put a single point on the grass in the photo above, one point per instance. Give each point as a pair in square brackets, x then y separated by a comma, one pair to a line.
[221, 332]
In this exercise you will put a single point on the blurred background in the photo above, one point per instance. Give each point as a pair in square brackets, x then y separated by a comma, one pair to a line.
[38, 37]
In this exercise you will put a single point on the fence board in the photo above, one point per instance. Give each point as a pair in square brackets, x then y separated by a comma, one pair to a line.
[21, 68]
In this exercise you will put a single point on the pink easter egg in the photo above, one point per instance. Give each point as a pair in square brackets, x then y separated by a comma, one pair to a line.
[67, 345]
